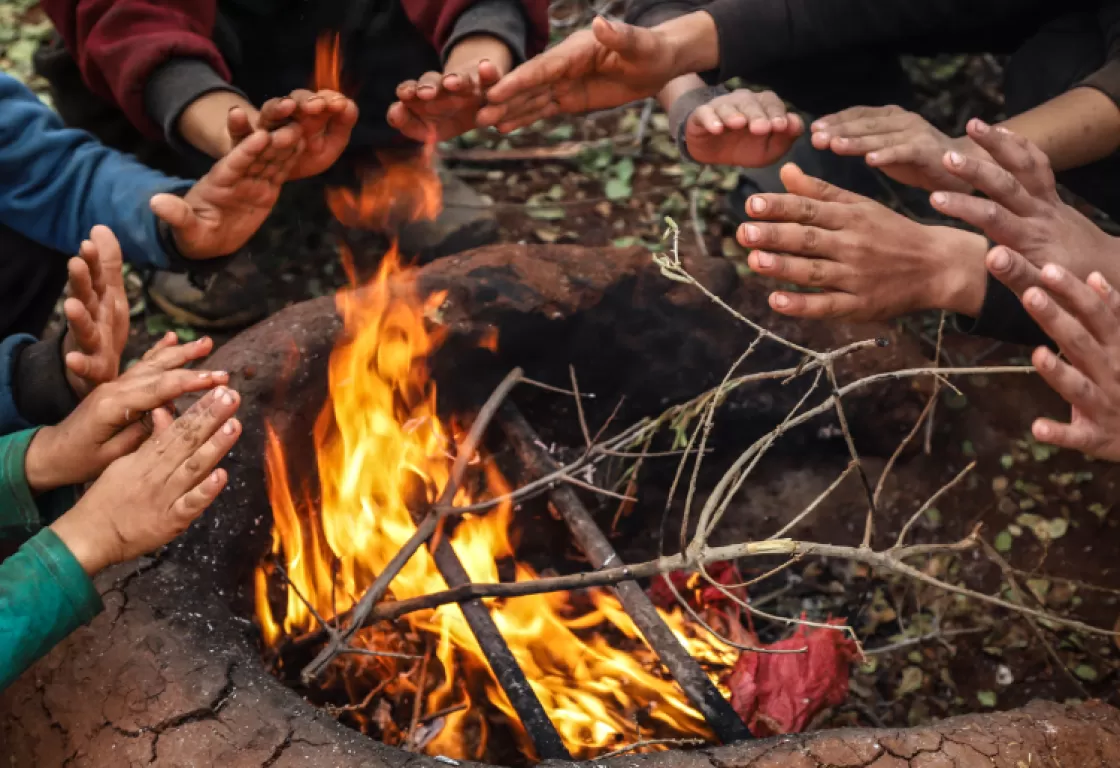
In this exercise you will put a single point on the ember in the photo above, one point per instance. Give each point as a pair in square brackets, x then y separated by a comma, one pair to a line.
[383, 452]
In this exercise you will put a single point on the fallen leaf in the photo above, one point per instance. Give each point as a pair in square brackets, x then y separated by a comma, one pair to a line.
[986, 698]
[1085, 672]
[1003, 542]
[911, 681]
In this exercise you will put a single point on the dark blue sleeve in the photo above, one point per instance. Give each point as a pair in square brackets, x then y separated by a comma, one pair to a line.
[10, 418]
[56, 183]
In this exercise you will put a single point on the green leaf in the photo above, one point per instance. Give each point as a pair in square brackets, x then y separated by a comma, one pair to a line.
[1007, 461]
[986, 699]
[624, 169]
[1085, 672]
[911, 681]
[1100, 510]
[625, 242]
[618, 189]
[933, 515]
[561, 132]
[1003, 542]
[1057, 528]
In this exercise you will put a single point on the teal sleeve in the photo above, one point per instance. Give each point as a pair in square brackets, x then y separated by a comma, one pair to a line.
[44, 596]
[19, 514]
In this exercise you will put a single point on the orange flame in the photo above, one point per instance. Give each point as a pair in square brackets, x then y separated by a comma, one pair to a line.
[382, 449]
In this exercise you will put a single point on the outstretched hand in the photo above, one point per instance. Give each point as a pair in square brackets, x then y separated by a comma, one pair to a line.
[96, 313]
[110, 422]
[745, 128]
[1083, 318]
[611, 64]
[147, 498]
[902, 144]
[326, 119]
[1023, 210]
[440, 106]
[865, 261]
[227, 206]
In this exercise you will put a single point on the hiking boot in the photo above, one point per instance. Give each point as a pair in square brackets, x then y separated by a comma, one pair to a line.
[230, 298]
[467, 221]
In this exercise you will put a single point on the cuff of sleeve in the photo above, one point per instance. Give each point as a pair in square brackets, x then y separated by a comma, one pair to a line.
[1003, 317]
[503, 19]
[683, 108]
[1106, 80]
[174, 86]
[68, 573]
[18, 510]
[11, 419]
[40, 389]
[177, 262]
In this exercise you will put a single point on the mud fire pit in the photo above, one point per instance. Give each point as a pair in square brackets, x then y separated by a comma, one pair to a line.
[189, 667]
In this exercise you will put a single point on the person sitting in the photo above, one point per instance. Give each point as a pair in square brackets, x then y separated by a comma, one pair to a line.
[1062, 83]
[135, 72]
[58, 183]
[148, 486]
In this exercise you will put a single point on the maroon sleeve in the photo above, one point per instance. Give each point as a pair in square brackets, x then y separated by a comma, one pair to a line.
[119, 43]
[436, 19]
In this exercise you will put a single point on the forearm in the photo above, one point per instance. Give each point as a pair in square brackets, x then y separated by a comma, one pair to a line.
[45, 594]
[1074, 129]
[669, 95]
[203, 123]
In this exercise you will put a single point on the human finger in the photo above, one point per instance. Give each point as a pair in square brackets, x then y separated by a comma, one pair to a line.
[1071, 335]
[1013, 270]
[789, 238]
[995, 182]
[777, 206]
[800, 183]
[1074, 386]
[168, 355]
[195, 427]
[705, 119]
[1082, 302]
[814, 306]
[807, 273]
[194, 502]
[993, 219]
[429, 86]
[206, 457]
[82, 324]
[732, 115]
[276, 112]
[1016, 154]
[1081, 437]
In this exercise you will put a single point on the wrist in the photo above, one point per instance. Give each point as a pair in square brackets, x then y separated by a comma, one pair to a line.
[204, 122]
[41, 461]
[691, 42]
[961, 277]
[83, 540]
[469, 51]
[966, 146]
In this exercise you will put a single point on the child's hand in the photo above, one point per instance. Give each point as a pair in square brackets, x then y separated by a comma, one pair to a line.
[109, 423]
[442, 106]
[742, 128]
[326, 119]
[96, 313]
[901, 144]
[1083, 318]
[146, 499]
[226, 207]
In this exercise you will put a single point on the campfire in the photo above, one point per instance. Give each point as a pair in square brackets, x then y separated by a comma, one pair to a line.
[384, 456]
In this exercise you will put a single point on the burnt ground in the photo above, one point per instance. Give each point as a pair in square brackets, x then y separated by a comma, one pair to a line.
[1050, 513]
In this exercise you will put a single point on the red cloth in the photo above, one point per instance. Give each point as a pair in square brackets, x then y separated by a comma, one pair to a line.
[780, 693]
[119, 43]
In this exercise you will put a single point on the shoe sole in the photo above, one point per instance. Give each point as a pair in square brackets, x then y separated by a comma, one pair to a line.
[186, 317]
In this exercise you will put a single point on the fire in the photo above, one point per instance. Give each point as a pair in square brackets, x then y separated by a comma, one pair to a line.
[382, 450]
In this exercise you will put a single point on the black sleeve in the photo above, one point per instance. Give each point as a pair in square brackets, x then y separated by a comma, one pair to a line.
[174, 86]
[1002, 317]
[1107, 78]
[503, 19]
[756, 34]
[40, 389]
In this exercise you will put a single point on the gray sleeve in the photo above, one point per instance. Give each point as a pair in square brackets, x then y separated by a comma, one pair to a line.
[174, 86]
[503, 19]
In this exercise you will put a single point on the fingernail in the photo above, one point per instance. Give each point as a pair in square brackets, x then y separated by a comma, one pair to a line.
[765, 260]
[1104, 284]
[219, 392]
[754, 234]
[980, 126]
[781, 301]
[955, 158]
[1046, 360]
[227, 398]
[940, 198]
[1037, 299]
[873, 157]
[1052, 272]
[220, 374]
[229, 428]
[758, 204]
[1001, 260]
[204, 375]
[841, 143]
[215, 476]
[1042, 431]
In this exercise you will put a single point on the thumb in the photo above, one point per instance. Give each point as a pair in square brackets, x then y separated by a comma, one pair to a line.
[797, 182]
[181, 217]
[626, 39]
